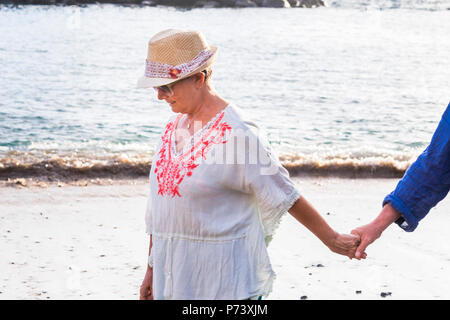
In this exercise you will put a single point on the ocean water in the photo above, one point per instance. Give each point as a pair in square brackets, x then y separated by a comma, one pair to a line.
[356, 85]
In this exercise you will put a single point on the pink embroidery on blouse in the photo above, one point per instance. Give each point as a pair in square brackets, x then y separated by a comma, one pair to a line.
[171, 169]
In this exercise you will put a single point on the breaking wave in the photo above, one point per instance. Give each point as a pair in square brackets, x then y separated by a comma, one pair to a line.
[74, 166]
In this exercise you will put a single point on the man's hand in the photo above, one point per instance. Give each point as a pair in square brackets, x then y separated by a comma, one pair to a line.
[372, 231]
[146, 290]
[368, 234]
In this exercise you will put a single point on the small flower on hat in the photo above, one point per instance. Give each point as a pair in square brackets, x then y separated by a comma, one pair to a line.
[174, 72]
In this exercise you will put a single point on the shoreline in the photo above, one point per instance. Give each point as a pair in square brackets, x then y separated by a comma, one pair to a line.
[90, 243]
[123, 179]
[54, 173]
[177, 3]
[47, 182]
[33, 183]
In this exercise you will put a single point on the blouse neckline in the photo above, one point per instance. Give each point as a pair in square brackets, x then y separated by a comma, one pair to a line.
[199, 134]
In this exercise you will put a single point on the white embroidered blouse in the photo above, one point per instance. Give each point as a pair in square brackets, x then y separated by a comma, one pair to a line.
[213, 208]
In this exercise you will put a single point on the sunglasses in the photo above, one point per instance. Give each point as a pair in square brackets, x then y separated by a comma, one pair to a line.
[167, 89]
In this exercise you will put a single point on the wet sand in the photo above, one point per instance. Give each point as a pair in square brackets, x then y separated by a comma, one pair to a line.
[88, 241]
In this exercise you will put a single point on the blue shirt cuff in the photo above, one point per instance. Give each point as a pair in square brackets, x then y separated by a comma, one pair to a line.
[407, 221]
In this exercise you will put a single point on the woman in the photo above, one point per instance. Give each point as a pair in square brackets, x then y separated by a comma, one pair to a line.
[216, 190]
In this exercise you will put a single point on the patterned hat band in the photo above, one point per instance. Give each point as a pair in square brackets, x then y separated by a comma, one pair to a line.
[162, 70]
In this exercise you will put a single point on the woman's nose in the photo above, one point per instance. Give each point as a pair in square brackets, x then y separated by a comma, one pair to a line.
[161, 94]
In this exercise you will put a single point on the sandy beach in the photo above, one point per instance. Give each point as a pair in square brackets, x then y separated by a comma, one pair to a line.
[89, 242]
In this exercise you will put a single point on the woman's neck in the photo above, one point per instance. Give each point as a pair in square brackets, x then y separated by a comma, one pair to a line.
[210, 104]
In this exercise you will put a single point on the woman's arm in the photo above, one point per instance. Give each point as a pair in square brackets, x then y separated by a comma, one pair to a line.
[305, 213]
[146, 290]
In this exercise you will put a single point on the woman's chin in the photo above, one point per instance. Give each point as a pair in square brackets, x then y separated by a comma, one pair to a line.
[175, 107]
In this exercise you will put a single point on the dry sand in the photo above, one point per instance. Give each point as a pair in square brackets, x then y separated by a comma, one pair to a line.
[89, 242]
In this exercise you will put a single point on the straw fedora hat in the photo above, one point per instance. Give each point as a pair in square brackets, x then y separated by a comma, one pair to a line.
[174, 55]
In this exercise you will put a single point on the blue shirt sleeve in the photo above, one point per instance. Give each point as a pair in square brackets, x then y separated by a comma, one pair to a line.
[427, 180]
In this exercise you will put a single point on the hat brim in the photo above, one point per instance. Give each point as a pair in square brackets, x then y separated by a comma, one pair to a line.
[147, 82]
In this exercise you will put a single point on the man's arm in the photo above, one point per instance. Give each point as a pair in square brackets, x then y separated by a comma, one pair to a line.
[427, 180]
[425, 183]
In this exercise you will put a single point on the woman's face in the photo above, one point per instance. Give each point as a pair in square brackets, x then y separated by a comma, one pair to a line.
[184, 95]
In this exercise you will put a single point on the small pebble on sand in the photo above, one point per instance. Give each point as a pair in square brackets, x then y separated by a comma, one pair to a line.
[21, 182]
[358, 291]
[385, 294]
[304, 297]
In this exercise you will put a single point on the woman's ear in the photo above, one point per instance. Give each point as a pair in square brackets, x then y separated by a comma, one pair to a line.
[199, 80]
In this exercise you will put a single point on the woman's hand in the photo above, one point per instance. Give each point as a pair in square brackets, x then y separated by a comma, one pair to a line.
[345, 244]
[146, 290]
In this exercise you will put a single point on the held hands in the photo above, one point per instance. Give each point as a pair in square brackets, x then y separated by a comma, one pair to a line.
[354, 245]
[345, 244]
[368, 234]
[372, 231]
[351, 245]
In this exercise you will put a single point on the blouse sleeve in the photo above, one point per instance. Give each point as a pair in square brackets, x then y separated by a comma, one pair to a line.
[268, 180]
